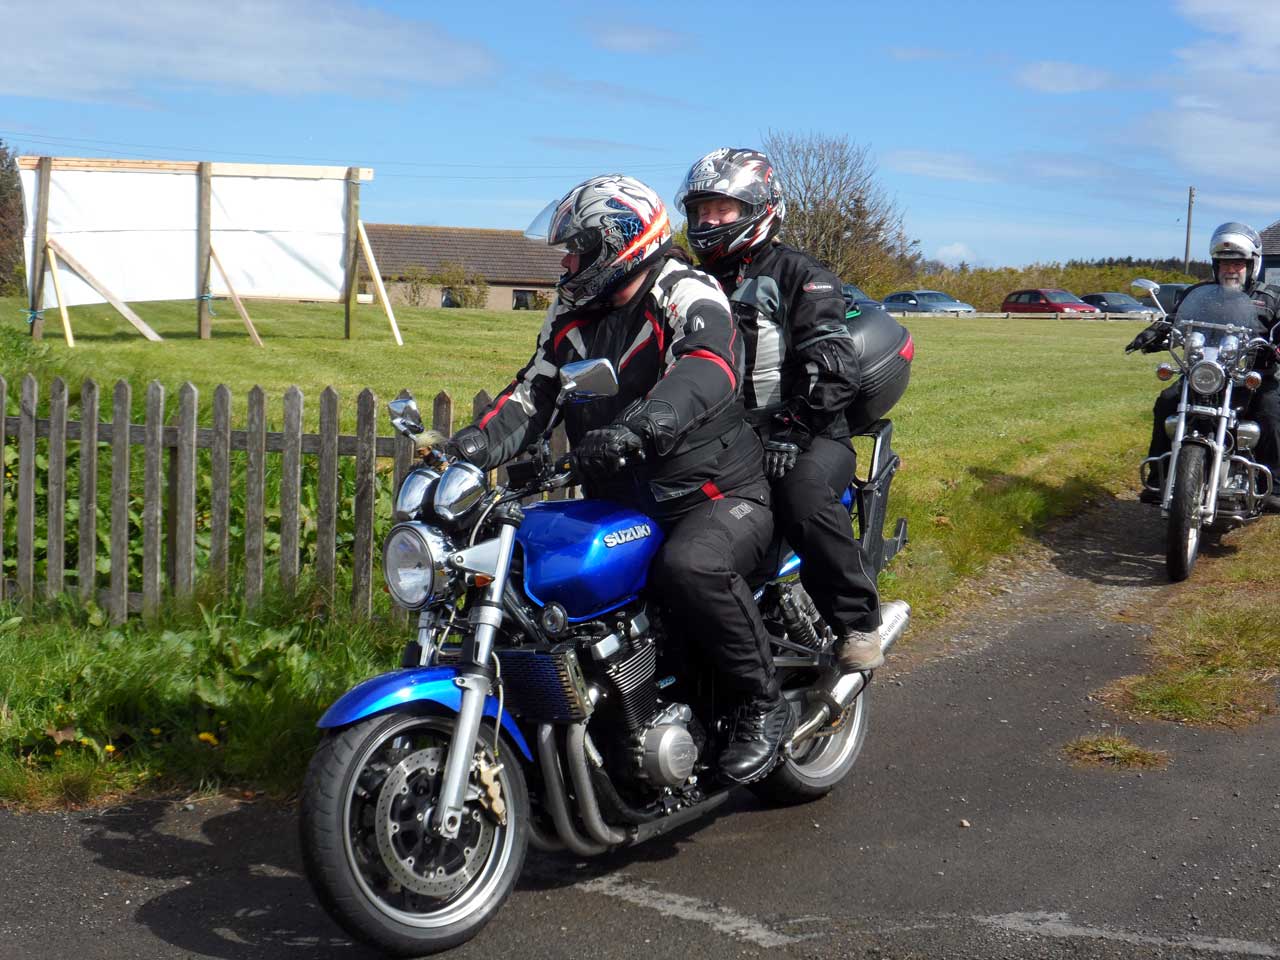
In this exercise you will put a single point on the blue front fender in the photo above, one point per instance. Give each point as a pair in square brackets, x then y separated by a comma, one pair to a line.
[409, 686]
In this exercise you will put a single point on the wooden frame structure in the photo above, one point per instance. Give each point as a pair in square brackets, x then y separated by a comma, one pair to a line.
[47, 253]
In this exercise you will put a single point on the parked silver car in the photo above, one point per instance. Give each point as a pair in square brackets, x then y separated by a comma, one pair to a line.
[926, 301]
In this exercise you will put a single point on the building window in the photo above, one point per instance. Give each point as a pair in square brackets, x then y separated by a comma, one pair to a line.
[447, 299]
[524, 299]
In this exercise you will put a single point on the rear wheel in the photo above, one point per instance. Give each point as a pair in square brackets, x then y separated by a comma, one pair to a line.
[1184, 511]
[818, 764]
[388, 880]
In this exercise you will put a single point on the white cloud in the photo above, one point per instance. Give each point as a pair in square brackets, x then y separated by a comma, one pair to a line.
[1052, 76]
[954, 253]
[633, 38]
[89, 50]
[940, 166]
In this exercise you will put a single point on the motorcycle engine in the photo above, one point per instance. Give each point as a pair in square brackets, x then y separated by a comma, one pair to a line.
[665, 751]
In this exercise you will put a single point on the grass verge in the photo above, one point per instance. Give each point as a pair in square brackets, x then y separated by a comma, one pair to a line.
[1007, 425]
[1215, 652]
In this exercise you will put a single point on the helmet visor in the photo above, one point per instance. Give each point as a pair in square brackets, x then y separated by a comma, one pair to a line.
[555, 226]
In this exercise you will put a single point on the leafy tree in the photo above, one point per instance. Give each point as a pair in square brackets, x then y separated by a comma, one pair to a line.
[12, 269]
[838, 212]
[468, 290]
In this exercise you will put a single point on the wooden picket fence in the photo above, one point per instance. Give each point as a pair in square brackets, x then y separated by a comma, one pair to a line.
[169, 504]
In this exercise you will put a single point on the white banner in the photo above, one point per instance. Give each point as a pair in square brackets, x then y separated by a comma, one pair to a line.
[135, 230]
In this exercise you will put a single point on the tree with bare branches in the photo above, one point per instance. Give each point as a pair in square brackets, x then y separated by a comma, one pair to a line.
[838, 212]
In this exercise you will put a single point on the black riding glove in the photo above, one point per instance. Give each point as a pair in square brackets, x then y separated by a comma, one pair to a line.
[779, 457]
[470, 444]
[604, 451]
[1149, 340]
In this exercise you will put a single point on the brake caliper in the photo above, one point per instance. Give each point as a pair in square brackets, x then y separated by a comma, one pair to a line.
[491, 796]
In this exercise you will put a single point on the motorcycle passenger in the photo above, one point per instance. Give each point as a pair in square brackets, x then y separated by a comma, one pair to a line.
[1236, 251]
[694, 464]
[801, 373]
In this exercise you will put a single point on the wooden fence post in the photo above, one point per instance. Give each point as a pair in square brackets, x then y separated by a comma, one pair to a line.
[152, 492]
[351, 257]
[442, 414]
[87, 561]
[290, 481]
[56, 490]
[27, 488]
[327, 493]
[362, 551]
[254, 506]
[122, 403]
[183, 522]
[39, 263]
[220, 496]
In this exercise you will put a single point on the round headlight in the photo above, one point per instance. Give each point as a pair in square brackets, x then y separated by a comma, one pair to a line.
[413, 564]
[1207, 377]
[413, 494]
[459, 490]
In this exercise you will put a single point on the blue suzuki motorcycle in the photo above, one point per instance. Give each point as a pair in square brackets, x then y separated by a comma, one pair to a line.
[540, 702]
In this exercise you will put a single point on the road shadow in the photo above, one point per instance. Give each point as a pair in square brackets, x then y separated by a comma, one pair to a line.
[243, 895]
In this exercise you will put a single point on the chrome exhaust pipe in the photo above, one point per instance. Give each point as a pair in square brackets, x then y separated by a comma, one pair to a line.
[588, 805]
[557, 802]
[836, 689]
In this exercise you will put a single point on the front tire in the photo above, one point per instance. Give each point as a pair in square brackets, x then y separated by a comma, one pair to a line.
[1184, 512]
[384, 879]
[819, 764]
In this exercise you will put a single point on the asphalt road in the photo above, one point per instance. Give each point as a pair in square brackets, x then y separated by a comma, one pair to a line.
[967, 728]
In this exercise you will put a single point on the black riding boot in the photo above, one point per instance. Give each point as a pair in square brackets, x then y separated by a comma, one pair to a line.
[762, 725]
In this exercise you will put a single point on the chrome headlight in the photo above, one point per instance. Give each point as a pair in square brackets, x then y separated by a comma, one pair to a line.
[413, 563]
[1228, 350]
[413, 494]
[1193, 346]
[459, 490]
[1248, 433]
[1207, 377]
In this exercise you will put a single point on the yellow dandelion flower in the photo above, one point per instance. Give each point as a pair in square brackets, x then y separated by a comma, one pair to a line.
[109, 748]
[85, 741]
[155, 731]
[57, 753]
[209, 738]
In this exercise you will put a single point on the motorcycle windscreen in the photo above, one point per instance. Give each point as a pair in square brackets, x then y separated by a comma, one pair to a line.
[589, 556]
[1219, 305]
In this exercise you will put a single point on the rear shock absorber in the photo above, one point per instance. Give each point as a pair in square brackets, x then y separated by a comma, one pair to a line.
[798, 624]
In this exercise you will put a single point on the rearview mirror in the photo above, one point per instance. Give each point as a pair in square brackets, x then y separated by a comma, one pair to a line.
[405, 416]
[1148, 285]
[587, 379]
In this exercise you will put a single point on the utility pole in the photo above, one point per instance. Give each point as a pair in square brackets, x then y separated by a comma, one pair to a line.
[1186, 255]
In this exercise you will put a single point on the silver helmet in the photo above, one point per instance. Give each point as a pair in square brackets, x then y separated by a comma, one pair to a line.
[1237, 241]
[739, 174]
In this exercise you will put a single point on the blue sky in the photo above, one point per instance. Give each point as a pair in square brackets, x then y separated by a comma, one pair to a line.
[1008, 132]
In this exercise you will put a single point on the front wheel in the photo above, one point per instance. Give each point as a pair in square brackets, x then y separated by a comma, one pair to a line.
[1184, 512]
[817, 765]
[369, 791]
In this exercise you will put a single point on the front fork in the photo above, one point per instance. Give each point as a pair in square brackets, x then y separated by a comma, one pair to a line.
[1209, 505]
[474, 677]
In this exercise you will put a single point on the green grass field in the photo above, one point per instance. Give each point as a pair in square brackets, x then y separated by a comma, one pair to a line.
[1007, 424]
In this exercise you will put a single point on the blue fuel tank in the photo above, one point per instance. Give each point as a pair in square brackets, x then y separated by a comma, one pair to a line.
[589, 556]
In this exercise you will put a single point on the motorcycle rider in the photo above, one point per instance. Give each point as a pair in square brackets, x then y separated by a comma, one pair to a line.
[801, 373]
[1236, 251]
[695, 463]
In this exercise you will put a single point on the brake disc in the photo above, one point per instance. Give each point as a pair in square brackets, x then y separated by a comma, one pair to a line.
[417, 859]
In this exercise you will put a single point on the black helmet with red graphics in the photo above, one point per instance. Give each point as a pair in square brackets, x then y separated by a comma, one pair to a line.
[739, 174]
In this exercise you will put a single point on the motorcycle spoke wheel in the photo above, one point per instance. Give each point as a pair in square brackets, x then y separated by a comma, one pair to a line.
[1183, 535]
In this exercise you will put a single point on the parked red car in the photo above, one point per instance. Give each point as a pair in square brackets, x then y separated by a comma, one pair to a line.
[1045, 301]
